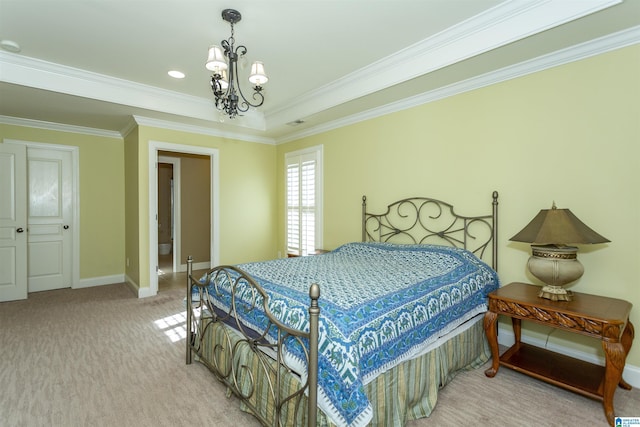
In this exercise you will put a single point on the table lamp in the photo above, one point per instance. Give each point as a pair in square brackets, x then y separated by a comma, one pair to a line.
[552, 261]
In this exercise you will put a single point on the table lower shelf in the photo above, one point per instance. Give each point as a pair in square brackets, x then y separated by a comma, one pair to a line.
[557, 369]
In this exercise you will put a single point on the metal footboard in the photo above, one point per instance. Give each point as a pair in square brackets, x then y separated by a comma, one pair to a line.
[227, 358]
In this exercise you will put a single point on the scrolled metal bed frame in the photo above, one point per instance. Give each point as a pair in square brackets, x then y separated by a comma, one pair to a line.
[420, 220]
[411, 220]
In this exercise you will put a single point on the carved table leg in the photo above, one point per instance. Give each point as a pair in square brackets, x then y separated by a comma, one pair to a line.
[517, 329]
[627, 340]
[490, 329]
[615, 357]
[614, 364]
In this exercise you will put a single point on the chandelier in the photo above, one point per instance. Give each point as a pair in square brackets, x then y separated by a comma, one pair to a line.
[224, 80]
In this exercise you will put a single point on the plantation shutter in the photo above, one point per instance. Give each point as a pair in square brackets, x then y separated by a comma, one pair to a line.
[302, 203]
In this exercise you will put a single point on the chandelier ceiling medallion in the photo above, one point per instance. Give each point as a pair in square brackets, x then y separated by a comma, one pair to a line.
[224, 80]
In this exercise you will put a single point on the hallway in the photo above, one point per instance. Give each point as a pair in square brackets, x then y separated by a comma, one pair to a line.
[167, 279]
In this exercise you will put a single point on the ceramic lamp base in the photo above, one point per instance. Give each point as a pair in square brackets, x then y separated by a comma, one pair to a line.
[555, 266]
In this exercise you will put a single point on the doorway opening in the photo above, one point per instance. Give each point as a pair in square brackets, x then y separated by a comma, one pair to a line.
[185, 202]
[169, 207]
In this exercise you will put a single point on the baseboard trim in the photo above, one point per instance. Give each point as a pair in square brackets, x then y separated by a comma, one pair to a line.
[631, 373]
[132, 284]
[146, 292]
[110, 280]
[100, 281]
[136, 289]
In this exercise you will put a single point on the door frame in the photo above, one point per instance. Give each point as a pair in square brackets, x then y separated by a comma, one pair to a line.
[213, 153]
[75, 199]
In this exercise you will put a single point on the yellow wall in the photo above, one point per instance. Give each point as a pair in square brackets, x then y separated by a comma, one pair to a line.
[569, 134]
[101, 195]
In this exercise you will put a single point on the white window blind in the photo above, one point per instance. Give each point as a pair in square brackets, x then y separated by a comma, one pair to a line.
[303, 201]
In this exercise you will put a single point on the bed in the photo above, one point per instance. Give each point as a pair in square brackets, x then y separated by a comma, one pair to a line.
[365, 334]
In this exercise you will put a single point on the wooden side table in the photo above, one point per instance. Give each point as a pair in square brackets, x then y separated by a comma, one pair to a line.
[606, 319]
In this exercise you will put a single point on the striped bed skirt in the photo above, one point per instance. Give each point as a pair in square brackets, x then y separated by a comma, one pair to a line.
[406, 392]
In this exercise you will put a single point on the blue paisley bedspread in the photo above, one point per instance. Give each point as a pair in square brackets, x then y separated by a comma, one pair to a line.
[380, 304]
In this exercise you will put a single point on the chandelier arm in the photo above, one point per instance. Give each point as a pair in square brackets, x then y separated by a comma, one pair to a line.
[245, 104]
[257, 94]
[216, 87]
[241, 51]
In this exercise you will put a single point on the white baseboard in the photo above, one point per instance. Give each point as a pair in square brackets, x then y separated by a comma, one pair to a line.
[116, 278]
[140, 292]
[145, 292]
[631, 374]
[132, 285]
[100, 281]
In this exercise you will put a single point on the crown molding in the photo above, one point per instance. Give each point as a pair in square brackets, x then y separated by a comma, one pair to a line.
[131, 125]
[505, 23]
[578, 52]
[575, 53]
[200, 130]
[39, 124]
[36, 73]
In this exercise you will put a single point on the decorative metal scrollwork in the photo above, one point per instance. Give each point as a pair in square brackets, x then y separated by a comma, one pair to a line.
[420, 220]
[224, 350]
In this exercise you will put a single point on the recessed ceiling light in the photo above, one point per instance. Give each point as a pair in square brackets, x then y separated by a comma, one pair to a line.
[10, 46]
[176, 74]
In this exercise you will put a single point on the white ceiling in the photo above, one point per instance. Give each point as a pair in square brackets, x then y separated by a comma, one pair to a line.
[98, 63]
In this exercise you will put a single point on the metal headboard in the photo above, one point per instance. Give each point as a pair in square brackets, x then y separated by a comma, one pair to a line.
[420, 220]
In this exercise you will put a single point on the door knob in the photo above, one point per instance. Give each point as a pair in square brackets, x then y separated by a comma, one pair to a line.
[66, 227]
[19, 230]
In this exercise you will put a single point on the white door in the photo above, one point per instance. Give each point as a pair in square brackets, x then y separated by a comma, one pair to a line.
[50, 217]
[13, 222]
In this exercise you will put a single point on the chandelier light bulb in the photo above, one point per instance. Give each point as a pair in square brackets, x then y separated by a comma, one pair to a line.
[258, 76]
[216, 61]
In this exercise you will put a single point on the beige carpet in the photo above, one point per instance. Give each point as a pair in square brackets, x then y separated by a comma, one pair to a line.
[101, 357]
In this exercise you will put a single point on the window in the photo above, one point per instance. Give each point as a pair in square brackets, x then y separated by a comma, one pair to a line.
[304, 200]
